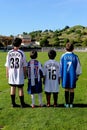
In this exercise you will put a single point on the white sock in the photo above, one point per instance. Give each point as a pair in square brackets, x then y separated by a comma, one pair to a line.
[40, 98]
[33, 99]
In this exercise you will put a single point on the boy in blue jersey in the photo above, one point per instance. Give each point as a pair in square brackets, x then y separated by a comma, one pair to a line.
[35, 74]
[70, 70]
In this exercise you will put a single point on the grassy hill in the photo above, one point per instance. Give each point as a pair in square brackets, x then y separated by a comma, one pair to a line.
[76, 34]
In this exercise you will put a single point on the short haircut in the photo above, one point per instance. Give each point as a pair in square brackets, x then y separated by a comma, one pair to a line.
[69, 47]
[52, 54]
[33, 54]
[17, 42]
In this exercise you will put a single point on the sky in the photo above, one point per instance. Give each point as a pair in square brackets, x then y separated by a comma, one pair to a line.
[18, 16]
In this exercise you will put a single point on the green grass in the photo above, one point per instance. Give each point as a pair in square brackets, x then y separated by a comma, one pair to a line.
[44, 118]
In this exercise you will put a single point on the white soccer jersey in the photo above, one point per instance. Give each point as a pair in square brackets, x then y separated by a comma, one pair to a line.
[15, 62]
[51, 73]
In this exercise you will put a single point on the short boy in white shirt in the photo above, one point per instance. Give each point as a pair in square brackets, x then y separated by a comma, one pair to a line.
[35, 75]
[51, 78]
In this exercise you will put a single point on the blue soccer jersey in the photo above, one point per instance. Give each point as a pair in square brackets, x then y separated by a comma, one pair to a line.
[35, 73]
[70, 68]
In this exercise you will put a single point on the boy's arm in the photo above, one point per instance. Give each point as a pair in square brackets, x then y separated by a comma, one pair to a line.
[59, 80]
[7, 72]
[25, 72]
[77, 77]
[44, 80]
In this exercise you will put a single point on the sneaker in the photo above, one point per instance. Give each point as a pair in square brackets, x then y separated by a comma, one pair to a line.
[66, 105]
[33, 106]
[24, 105]
[48, 105]
[55, 105]
[71, 106]
[41, 105]
[15, 105]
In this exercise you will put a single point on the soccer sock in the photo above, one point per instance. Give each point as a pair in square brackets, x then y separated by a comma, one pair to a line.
[55, 97]
[48, 96]
[67, 97]
[33, 99]
[71, 97]
[13, 99]
[40, 98]
[22, 100]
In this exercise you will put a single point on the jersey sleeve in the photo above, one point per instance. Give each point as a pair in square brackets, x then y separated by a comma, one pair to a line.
[78, 69]
[60, 70]
[7, 61]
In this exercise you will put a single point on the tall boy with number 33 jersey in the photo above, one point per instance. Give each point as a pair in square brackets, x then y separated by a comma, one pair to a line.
[15, 70]
[51, 78]
[70, 70]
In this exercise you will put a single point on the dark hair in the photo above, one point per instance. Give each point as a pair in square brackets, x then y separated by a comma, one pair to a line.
[17, 42]
[33, 54]
[52, 54]
[69, 47]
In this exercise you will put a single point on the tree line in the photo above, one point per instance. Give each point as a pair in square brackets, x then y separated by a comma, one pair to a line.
[54, 38]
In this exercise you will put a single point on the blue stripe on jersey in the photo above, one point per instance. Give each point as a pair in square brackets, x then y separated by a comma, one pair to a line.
[20, 53]
[35, 63]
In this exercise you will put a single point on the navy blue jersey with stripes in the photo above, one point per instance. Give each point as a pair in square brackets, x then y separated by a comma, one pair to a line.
[35, 74]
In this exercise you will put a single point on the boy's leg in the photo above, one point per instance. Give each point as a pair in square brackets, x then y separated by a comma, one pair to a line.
[55, 97]
[21, 96]
[67, 97]
[12, 93]
[71, 96]
[48, 96]
[33, 100]
[40, 99]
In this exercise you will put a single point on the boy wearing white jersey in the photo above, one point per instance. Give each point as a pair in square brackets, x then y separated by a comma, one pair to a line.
[15, 71]
[35, 74]
[51, 78]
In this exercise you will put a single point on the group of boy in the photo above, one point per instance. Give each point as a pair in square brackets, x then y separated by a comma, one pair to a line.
[51, 74]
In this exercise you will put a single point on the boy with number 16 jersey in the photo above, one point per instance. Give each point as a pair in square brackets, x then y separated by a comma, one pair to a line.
[51, 77]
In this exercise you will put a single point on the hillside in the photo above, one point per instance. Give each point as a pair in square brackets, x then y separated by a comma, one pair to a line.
[76, 35]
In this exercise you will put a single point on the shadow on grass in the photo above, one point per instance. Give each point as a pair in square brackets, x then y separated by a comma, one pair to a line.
[62, 106]
[75, 105]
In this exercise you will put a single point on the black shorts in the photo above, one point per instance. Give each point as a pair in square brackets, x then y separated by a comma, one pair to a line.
[51, 92]
[16, 85]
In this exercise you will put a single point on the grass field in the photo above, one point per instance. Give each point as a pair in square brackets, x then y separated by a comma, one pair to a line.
[59, 118]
